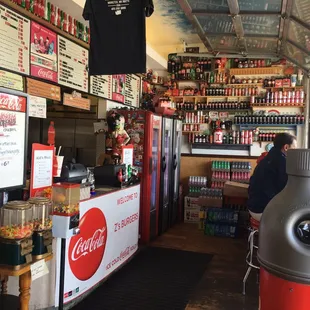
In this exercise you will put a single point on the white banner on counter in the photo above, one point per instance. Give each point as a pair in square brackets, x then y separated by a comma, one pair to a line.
[109, 229]
[37, 107]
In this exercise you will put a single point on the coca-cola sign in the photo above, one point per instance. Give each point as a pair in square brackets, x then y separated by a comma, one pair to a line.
[86, 250]
[12, 103]
[43, 73]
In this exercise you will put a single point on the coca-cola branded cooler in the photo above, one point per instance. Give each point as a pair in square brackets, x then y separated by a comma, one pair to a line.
[145, 129]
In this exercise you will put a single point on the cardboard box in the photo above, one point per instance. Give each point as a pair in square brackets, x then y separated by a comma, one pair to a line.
[210, 202]
[191, 215]
[235, 189]
[191, 202]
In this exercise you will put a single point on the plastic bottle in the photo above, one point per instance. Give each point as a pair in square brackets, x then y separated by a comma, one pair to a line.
[51, 134]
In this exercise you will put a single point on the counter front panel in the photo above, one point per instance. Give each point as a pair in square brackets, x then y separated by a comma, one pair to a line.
[109, 236]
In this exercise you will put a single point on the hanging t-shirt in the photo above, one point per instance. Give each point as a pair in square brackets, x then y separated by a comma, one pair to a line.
[117, 31]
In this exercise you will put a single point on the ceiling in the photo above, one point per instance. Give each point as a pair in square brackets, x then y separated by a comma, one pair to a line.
[276, 28]
[252, 27]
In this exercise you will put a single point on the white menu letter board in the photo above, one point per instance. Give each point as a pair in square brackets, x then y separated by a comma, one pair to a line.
[72, 65]
[101, 86]
[13, 129]
[132, 90]
[14, 41]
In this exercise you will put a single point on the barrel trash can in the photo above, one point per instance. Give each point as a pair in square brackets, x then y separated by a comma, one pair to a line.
[284, 240]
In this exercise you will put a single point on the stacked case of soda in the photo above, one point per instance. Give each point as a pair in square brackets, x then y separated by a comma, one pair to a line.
[220, 173]
[241, 172]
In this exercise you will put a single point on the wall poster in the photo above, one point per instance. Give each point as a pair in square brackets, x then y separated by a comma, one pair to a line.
[43, 53]
[118, 87]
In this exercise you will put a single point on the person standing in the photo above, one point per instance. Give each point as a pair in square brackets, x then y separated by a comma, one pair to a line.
[269, 177]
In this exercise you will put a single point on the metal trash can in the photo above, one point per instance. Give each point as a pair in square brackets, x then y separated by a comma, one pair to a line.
[284, 240]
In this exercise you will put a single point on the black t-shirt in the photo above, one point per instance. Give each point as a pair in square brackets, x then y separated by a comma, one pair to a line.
[117, 31]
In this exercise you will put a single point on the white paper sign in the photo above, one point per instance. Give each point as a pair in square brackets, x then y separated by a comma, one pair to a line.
[43, 169]
[38, 270]
[37, 107]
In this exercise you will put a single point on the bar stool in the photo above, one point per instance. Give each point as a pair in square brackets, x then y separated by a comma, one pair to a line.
[253, 246]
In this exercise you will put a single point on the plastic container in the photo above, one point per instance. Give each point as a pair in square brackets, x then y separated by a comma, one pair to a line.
[16, 220]
[66, 199]
[42, 213]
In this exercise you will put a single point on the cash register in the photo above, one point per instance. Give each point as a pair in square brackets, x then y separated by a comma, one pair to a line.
[72, 172]
[109, 175]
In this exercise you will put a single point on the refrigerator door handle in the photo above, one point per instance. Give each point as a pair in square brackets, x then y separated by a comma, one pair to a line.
[164, 165]
[175, 163]
[151, 165]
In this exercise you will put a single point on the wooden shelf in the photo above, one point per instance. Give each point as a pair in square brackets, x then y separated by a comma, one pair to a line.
[296, 87]
[277, 105]
[256, 71]
[240, 85]
[217, 110]
[43, 22]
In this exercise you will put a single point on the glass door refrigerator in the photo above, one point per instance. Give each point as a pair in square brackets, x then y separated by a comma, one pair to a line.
[165, 174]
[144, 129]
[175, 171]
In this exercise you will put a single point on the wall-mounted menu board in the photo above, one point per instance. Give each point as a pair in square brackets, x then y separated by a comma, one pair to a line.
[72, 66]
[44, 90]
[132, 90]
[11, 80]
[43, 53]
[14, 41]
[13, 134]
[101, 86]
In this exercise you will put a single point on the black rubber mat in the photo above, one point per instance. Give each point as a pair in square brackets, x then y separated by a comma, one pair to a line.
[156, 279]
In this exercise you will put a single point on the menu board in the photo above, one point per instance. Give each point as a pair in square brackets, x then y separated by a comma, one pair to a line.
[14, 41]
[101, 86]
[76, 102]
[41, 89]
[118, 87]
[132, 90]
[72, 66]
[13, 114]
[11, 80]
[43, 53]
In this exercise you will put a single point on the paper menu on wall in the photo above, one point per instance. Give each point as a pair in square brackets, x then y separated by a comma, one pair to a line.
[43, 168]
[37, 107]
[14, 41]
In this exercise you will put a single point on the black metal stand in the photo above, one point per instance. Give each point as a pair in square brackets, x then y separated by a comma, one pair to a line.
[62, 274]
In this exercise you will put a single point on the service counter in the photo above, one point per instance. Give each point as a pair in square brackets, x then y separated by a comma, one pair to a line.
[109, 232]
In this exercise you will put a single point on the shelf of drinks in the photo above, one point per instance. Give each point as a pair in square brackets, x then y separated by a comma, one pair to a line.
[245, 84]
[277, 105]
[193, 131]
[211, 97]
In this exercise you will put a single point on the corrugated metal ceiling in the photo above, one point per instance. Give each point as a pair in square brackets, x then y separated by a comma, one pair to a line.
[274, 27]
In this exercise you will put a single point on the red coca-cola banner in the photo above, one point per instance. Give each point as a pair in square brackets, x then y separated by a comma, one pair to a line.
[44, 53]
[12, 103]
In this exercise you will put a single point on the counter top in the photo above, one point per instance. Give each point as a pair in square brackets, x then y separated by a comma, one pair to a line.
[105, 190]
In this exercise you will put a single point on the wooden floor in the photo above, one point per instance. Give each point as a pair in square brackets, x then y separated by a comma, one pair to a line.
[221, 286]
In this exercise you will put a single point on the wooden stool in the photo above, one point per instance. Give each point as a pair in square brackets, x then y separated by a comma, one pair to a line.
[24, 275]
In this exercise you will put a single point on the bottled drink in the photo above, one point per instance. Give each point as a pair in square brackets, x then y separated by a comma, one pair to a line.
[51, 134]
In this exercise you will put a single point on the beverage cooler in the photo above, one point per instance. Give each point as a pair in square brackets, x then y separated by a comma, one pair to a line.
[166, 174]
[175, 171]
[145, 129]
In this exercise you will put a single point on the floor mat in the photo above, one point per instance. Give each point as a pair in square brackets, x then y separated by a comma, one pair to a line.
[156, 279]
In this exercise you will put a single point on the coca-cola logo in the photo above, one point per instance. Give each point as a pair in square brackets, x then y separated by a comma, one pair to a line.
[86, 250]
[46, 74]
[10, 102]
